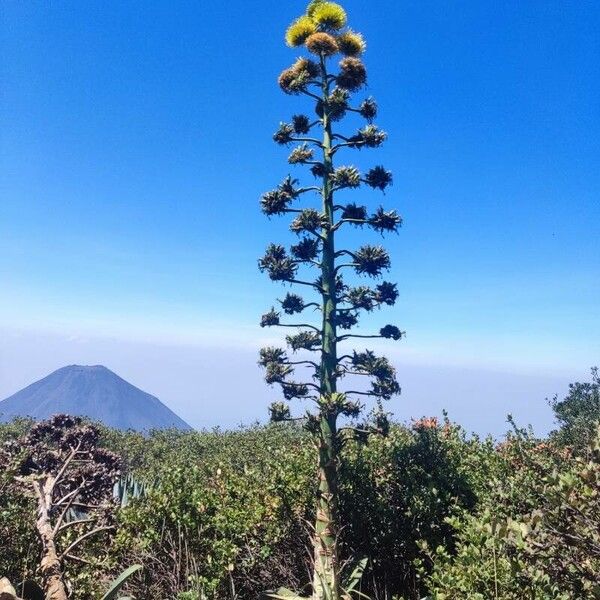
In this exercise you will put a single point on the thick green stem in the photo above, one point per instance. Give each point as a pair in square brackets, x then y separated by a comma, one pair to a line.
[326, 570]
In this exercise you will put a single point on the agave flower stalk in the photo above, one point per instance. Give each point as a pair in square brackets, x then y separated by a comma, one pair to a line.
[323, 33]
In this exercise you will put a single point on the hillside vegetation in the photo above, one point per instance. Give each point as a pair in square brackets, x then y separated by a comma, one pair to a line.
[425, 511]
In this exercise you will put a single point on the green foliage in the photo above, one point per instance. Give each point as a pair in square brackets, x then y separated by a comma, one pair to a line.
[578, 415]
[400, 489]
[225, 515]
[535, 536]
[18, 541]
[234, 509]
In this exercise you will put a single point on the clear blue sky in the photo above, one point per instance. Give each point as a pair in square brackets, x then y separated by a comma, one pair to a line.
[135, 142]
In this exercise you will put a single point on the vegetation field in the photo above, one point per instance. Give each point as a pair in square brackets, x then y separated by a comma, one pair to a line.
[424, 511]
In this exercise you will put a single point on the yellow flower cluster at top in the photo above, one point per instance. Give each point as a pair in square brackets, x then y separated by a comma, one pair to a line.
[320, 31]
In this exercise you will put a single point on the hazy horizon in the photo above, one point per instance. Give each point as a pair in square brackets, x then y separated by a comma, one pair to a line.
[190, 379]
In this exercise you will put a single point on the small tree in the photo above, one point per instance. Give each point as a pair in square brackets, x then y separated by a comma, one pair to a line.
[578, 415]
[322, 31]
[60, 464]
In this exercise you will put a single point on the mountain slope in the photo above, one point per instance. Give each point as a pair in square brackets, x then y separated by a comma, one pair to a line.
[95, 392]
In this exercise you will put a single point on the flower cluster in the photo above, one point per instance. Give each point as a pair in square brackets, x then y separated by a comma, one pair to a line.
[346, 320]
[322, 44]
[324, 18]
[309, 220]
[378, 367]
[284, 134]
[277, 264]
[371, 260]
[279, 411]
[322, 31]
[292, 304]
[269, 319]
[378, 178]
[304, 340]
[352, 75]
[360, 297]
[351, 43]
[270, 354]
[368, 109]
[293, 390]
[355, 212]
[390, 332]
[300, 124]
[296, 78]
[382, 220]
[336, 104]
[369, 136]
[277, 372]
[300, 155]
[366, 298]
[306, 249]
[275, 202]
[386, 293]
[346, 177]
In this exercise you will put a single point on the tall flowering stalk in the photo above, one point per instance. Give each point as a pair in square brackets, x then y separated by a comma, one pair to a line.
[331, 73]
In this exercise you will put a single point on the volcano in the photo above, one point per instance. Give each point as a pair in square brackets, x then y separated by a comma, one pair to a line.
[94, 392]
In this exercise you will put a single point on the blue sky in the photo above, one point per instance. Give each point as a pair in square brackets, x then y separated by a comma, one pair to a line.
[135, 142]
